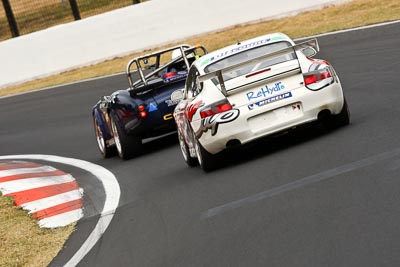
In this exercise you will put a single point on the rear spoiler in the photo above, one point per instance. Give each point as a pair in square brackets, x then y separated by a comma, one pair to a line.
[218, 73]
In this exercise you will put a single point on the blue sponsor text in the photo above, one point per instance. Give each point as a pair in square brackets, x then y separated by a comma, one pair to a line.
[265, 91]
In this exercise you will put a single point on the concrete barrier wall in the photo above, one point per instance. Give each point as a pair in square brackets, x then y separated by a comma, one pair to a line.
[131, 29]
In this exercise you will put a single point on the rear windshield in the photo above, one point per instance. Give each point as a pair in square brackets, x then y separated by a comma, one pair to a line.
[248, 55]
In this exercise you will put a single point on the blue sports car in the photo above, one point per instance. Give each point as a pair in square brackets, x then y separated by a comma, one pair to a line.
[144, 110]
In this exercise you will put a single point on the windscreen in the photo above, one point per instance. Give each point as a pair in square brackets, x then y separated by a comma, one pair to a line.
[249, 55]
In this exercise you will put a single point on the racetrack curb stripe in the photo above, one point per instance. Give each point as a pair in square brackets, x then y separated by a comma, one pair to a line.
[112, 193]
[62, 219]
[48, 202]
[11, 171]
[32, 183]
[22, 197]
[58, 209]
[40, 190]
[10, 165]
[30, 175]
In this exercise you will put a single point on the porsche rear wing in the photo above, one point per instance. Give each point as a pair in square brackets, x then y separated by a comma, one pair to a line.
[313, 43]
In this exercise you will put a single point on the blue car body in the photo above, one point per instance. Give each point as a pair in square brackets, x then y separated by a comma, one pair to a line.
[144, 110]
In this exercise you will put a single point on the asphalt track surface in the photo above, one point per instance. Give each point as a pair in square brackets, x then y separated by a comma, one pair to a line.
[310, 198]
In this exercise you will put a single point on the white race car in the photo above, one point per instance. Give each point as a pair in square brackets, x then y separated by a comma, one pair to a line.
[253, 89]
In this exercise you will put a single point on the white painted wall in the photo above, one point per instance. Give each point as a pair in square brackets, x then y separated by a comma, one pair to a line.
[131, 29]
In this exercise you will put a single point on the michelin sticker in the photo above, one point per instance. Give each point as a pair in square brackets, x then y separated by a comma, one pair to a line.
[269, 100]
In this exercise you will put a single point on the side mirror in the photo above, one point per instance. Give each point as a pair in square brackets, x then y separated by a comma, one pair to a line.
[309, 51]
[177, 95]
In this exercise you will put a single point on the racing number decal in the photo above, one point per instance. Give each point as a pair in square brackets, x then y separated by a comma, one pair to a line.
[212, 122]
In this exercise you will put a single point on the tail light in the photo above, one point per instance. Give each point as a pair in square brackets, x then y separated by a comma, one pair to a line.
[215, 108]
[142, 111]
[316, 80]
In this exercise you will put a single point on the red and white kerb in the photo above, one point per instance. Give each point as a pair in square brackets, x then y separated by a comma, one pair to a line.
[51, 196]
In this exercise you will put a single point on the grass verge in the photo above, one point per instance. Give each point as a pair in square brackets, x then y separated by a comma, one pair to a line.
[23, 243]
[353, 14]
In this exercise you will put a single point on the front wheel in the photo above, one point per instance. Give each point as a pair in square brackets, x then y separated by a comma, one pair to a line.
[185, 151]
[105, 151]
[127, 146]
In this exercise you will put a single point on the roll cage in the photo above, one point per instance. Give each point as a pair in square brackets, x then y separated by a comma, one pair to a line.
[158, 66]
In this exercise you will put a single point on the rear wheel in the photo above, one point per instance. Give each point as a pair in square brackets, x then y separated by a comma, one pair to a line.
[341, 119]
[105, 150]
[127, 146]
[185, 152]
[207, 161]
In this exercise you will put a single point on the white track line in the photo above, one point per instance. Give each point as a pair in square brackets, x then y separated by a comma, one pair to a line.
[112, 192]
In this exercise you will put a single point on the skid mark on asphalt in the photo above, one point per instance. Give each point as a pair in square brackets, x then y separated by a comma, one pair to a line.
[299, 183]
[51, 196]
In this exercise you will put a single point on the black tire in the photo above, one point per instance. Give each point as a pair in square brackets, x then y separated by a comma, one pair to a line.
[207, 161]
[105, 150]
[127, 146]
[341, 119]
[190, 161]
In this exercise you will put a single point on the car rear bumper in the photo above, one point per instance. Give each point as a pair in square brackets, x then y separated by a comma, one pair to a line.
[265, 118]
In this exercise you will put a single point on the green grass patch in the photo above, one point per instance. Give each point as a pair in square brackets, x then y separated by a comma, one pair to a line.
[23, 242]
